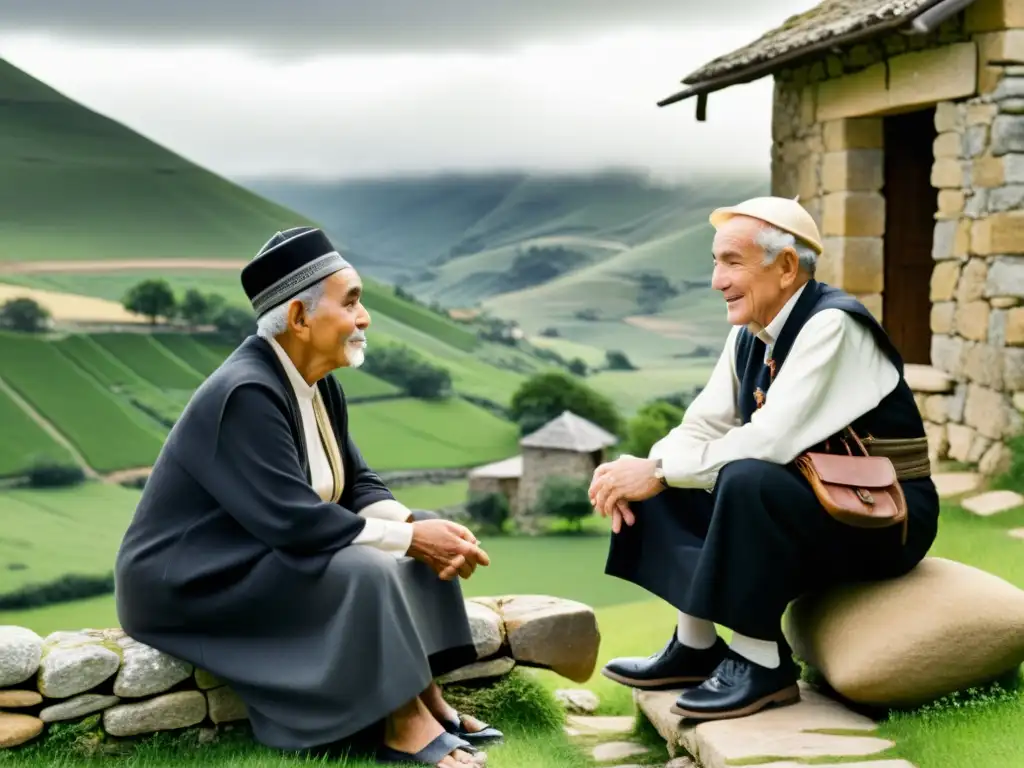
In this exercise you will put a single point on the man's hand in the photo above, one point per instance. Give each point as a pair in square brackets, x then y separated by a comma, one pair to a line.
[448, 548]
[618, 482]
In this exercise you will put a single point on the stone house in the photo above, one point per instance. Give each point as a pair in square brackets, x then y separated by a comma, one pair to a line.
[900, 126]
[568, 445]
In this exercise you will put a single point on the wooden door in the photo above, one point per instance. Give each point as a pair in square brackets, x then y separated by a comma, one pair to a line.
[910, 205]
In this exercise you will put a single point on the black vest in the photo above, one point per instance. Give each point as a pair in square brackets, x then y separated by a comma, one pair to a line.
[897, 416]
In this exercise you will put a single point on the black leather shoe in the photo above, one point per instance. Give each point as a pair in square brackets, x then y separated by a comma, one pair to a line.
[738, 688]
[675, 666]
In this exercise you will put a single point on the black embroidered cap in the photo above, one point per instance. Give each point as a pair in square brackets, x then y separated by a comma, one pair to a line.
[288, 263]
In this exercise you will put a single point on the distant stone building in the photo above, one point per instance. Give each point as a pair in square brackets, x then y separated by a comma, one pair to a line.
[567, 446]
[900, 125]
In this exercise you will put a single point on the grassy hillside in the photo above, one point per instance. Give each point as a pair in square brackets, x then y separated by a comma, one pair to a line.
[114, 396]
[608, 260]
[78, 185]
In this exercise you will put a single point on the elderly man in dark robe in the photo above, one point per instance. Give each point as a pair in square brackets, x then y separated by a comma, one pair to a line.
[717, 521]
[265, 550]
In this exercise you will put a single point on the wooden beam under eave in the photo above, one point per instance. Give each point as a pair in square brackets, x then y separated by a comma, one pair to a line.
[702, 107]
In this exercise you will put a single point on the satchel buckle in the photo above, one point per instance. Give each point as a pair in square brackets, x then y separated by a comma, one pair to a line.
[865, 496]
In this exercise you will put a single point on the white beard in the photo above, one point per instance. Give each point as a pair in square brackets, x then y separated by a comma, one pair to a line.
[355, 355]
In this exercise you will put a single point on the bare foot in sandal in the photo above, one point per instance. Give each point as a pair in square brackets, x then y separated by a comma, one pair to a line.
[411, 728]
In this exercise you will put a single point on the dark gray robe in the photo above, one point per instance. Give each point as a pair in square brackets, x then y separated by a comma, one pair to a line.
[234, 563]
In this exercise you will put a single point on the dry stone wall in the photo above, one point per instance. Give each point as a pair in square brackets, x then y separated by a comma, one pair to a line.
[134, 690]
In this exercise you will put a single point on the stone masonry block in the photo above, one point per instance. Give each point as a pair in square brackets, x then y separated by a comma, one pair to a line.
[853, 133]
[972, 320]
[951, 204]
[945, 275]
[943, 317]
[1004, 46]
[990, 15]
[1007, 134]
[948, 144]
[854, 264]
[1015, 327]
[947, 173]
[947, 117]
[1001, 233]
[853, 214]
[872, 303]
[855, 170]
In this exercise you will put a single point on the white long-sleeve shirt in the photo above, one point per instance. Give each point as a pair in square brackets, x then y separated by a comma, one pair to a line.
[386, 527]
[834, 373]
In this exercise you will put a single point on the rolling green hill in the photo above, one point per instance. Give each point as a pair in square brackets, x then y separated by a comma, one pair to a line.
[608, 260]
[75, 184]
[114, 397]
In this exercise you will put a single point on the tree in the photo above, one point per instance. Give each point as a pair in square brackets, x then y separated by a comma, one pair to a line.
[544, 397]
[235, 323]
[24, 315]
[152, 298]
[566, 498]
[488, 511]
[195, 307]
[649, 425]
[617, 361]
[578, 367]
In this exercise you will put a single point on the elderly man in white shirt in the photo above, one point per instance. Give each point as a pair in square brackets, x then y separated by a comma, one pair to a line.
[717, 521]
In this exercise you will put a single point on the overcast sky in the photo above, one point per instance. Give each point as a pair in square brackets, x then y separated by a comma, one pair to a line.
[343, 88]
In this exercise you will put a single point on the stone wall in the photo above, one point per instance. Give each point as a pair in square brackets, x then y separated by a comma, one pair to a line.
[133, 690]
[836, 166]
[539, 464]
[973, 395]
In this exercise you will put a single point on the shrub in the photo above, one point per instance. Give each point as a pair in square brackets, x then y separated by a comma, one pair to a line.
[401, 366]
[488, 511]
[544, 397]
[66, 589]
[617, 361]
[566, 498]
[52, 474]
[24, 315]
[649, 425]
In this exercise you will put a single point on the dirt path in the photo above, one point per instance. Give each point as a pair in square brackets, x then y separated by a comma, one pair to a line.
[38, 418]
[115, 265]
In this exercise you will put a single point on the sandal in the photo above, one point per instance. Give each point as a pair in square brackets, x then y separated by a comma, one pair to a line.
[485, 735]
[432, 754]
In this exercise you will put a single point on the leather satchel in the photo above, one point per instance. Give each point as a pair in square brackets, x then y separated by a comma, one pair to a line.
[862, 491]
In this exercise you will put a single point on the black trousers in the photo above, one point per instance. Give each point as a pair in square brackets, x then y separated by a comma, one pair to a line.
[737, 556]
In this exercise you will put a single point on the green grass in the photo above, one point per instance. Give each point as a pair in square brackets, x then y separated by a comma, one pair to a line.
[198, 356]
[108, 432]
[432, 496]
[631, 389]
[45, 534]
[150, 359]
[26, 441]
[529, 716]
[116, 377]
[419, 434]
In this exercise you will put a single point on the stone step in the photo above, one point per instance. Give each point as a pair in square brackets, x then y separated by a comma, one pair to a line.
[925, 378]
[992, 502]
[809, 729]
[950, 484]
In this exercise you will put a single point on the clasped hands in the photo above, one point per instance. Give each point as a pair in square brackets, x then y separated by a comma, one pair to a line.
[448, 548]
[618, 482]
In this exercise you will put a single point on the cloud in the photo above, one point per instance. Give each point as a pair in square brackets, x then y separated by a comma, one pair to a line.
[296, 27]
[577, 105]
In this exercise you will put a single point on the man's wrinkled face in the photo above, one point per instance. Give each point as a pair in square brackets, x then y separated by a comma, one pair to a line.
[337, 329]
[753, 291]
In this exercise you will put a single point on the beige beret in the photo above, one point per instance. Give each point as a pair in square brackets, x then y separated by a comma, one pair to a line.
[788, 215]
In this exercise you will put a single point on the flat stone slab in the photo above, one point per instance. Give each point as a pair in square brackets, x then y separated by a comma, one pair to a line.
[955, 483]
[992, 502]
[869, 764]
[1017, 533]
[925, 378]
[783, 732]
[617, 750]
[601, 724]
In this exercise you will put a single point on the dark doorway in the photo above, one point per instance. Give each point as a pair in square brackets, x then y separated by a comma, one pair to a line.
[910, 205]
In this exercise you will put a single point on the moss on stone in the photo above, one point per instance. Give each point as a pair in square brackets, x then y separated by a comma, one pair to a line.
[514, 703]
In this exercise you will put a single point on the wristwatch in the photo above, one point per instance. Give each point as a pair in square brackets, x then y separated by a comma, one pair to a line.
[659, 472]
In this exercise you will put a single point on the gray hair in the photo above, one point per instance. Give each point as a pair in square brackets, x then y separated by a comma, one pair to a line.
[275, 322]
[775, 241]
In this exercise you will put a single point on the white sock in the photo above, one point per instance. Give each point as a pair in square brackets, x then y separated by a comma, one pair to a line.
[695, 633]
[765, 653]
